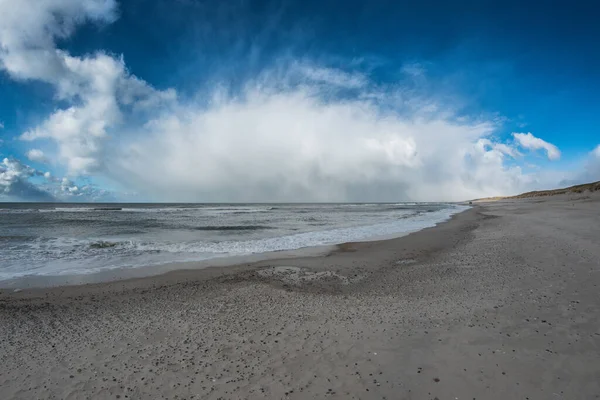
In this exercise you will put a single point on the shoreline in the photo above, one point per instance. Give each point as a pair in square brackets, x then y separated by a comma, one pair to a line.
[500, 302]
[243, 262]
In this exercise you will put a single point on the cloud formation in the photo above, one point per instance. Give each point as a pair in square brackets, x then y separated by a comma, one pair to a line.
[592, 167]
[530, 142]
[330, 76]
[15, 184]
[21, 182]
[294, 145]
[590, 171]
[36, 155]
[98, 86]
[297, 132]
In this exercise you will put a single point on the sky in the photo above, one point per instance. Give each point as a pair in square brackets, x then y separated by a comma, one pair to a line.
[296, 100]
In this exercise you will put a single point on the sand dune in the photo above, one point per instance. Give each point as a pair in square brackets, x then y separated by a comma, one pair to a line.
[576, 190]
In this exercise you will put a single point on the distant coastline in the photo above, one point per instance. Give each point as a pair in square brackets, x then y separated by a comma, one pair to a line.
[577, 189]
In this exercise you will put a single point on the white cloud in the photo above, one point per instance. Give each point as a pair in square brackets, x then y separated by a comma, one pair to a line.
[415, 69]
[68, 187]
[293, 145]
[15, 184]
[28, 29]
[506, 150]
[588, 172]
[591, 171]
[528, 141]
[36, 155]
[1, 125]
[97, 85]
[331, 76]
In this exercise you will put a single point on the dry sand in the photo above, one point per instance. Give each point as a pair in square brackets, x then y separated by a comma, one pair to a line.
[502, 302]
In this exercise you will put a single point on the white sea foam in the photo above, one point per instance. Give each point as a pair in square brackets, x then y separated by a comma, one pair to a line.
[69, 209]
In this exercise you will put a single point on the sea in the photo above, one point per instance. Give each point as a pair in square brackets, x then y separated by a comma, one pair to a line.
[44, 239]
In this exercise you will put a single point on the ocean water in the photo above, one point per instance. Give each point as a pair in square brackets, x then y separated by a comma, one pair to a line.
[57, 239]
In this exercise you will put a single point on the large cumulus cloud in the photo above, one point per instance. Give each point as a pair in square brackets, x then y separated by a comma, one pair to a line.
[296, 144]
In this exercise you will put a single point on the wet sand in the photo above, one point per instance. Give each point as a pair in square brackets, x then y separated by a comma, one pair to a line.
[501, 302]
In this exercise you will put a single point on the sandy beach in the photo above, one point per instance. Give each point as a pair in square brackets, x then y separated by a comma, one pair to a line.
[501, 302]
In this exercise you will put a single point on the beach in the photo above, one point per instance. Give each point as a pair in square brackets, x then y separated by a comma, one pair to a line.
[500, 302]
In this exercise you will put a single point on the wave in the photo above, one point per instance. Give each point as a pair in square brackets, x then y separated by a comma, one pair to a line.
[68, 209]
[17, 210]
[16, 238]
[206, 250]
[159, 209]
[103, 244]
[231, 228]
[236, 210]
[216, 210]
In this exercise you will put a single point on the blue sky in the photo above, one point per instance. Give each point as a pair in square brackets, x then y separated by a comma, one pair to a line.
[296, 100]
